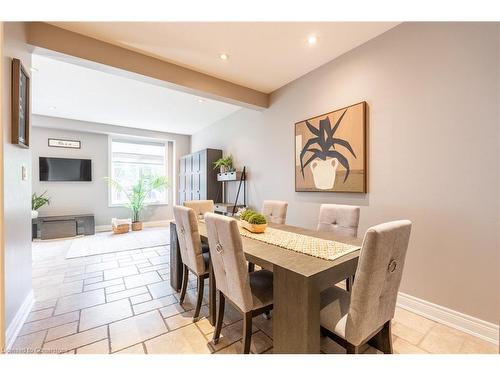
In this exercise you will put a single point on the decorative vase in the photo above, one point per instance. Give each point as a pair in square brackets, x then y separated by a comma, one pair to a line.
[324, 172]
[34, 214]
[137, 225]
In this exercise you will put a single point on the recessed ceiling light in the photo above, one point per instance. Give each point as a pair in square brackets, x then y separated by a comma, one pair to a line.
[224, 56]
[201, 101]
[33, 69]
[52, 107]
[312, 40]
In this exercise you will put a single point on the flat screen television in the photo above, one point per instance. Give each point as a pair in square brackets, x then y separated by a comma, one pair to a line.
[61, 169]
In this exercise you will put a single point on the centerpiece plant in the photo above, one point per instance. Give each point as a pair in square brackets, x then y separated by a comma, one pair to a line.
[137, 196]
[253, 221]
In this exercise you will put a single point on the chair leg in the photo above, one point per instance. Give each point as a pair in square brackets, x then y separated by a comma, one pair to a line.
[251, 267]
[247, 332]
[185, 277]
[349, 282]
[199, 299]
[220, 318]
[351, 349]
[383, 339]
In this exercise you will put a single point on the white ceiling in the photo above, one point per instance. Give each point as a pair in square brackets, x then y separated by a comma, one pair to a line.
[67, 90]
[262, 55]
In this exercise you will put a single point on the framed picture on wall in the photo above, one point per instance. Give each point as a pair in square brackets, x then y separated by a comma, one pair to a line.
[20, 104]
[330, 151]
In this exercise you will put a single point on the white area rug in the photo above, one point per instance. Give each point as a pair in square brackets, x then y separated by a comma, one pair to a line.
[108, 242]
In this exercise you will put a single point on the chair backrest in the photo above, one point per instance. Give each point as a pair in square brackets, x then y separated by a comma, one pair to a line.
[377, 280]
[200, 207]
[228, 260]
[275, 211]
[189, 239]
[339, 218]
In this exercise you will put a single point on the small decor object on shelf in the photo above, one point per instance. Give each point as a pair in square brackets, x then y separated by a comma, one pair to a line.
[330, 151]
[120, 226]
[38, 201]
[253, 221]
[138, 193]
[225, 164]
[20, 105]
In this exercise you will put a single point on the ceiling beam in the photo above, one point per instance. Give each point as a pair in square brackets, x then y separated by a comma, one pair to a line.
[54, 38]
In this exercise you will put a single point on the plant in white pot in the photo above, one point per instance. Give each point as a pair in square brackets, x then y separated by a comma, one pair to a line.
[138, 194]
[37, 202]
[325, 158]
[225, 164]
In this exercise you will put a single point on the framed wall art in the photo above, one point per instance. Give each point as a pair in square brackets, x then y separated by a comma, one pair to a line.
[64, 143]
[330, 151]
[20, 105]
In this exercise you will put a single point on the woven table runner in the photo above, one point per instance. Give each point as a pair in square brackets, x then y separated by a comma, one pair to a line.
[317, 247]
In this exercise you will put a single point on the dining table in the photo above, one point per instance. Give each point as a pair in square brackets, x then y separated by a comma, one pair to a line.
[298, 280]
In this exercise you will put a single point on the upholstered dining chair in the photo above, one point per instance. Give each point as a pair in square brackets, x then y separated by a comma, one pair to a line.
[193, 258]
[200, 207]
[275, 211]
[339, 218]
[250, 293]
[365, 314]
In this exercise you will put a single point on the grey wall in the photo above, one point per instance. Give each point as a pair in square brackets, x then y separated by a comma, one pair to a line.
[92, 197]
[17, 203]
[432, 92]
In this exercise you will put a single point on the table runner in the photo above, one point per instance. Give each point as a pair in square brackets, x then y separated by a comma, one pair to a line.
[317, 247]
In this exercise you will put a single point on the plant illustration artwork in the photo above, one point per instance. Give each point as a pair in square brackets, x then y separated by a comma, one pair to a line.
[330, 151]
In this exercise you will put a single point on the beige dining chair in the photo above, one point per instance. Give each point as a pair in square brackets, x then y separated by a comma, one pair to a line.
[339, 218]
[364, 315]
[275, 211]
[200, 207]
[250, 293]
[192, 256]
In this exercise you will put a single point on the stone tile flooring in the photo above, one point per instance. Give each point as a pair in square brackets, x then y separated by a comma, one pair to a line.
[122, 303]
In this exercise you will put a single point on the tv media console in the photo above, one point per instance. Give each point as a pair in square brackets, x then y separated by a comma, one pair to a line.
[51, 227]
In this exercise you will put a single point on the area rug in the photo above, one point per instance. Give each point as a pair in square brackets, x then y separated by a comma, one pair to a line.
[108, 242]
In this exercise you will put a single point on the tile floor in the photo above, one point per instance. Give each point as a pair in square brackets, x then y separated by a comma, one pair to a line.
[122, 303]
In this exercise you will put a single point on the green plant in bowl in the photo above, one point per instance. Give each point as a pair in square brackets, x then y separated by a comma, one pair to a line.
[246, 214]
[257, 219]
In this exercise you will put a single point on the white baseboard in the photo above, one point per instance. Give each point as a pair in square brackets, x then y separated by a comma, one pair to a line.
[145, 224]
[465, 323]
[19, 319]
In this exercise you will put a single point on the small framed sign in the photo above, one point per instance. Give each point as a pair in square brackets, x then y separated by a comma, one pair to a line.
[64, 143]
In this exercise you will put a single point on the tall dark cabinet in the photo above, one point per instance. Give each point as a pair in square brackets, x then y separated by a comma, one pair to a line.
[197, 177]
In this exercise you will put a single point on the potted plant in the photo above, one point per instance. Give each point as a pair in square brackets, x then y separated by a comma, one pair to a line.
[253, 221]
[138, 194]
[38, 201]
[225, 164]
[325, 158]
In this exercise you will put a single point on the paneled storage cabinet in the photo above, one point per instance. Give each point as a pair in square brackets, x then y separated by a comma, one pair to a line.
[197, 177]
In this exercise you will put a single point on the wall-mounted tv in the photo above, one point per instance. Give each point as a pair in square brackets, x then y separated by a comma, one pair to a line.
[61, 169]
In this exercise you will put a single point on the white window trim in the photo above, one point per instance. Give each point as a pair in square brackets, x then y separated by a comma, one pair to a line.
[165, 142]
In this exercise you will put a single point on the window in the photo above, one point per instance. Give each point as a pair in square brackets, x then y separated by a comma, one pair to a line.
[131, 160]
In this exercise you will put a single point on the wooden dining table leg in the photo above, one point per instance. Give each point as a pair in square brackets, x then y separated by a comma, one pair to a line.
[296, 326]
[212, 289]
